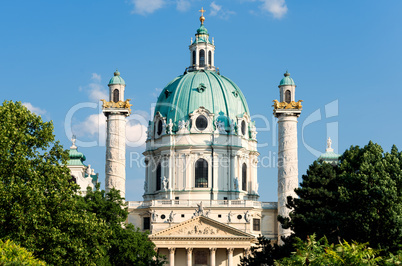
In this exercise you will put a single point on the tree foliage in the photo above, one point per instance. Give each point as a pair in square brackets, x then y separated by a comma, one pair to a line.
[313, 252]
[358, 200]
[265, 252]
[13, 254]
[128, 246]
[38, 207]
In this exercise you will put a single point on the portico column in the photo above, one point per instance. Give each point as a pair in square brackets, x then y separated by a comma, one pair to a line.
[230, 256]
[171, 256]
[213, 252]
[189, 256]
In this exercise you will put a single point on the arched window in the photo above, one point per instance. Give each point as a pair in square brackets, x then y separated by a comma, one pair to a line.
[244, 177]
[287, 96]
[116, 95]
[209, 58]
[194, 58]
[201, 173]
[202, 58]
[158, 176]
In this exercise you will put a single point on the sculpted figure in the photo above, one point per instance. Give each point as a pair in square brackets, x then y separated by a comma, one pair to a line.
[106, 104]
[276, 104]
[154, 215]
[230, 216]
[171, 217]
[183, 125]
[236, 183]
[170, 127]
[232, 127]
[200, 210]
[165, 182]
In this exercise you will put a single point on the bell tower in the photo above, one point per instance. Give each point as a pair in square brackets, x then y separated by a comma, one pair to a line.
[202, 50]
[116, 110]
[287, 111]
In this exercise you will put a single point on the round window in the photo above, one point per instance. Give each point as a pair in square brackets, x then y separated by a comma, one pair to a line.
[160, 127]
[163, 216]
[243, 128]
[239, 217]
[201, 122]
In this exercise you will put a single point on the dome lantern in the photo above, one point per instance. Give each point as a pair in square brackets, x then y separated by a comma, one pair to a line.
[202, 51]
[287, 88]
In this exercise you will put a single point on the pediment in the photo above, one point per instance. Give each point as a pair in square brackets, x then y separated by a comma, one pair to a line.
[201, 227]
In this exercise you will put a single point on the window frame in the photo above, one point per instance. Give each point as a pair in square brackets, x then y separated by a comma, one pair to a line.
[158, 177]
[201, 173]
[256, 224]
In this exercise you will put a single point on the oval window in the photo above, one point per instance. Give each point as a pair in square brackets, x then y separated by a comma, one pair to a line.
[201, 122]
[243, 128]
[160, 127]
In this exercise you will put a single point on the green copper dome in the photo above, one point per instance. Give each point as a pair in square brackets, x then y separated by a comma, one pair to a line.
[287, 80]
[202, 30]
[116, 79]
[75, 157]
[216, 93]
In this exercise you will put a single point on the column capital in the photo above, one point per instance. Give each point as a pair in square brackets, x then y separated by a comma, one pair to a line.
[212, 249]
[172, 250]
[189, 250]
[230, 250]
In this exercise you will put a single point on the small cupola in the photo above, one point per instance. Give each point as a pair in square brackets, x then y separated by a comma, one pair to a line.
[202, 50]
[287, 89]
[116, 88]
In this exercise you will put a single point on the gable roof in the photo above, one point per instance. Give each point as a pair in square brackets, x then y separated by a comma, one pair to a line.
[201, 228]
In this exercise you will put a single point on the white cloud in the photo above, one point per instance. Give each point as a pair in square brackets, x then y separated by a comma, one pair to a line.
[95, 89]
[136, 135]
[96, 77]
[34, 109]
[144, 7]
[97, 92]
[183, 5]
[277, 8]
[216, 10]
[94, 126]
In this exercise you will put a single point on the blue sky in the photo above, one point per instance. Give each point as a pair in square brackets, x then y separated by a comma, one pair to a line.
[345, 57]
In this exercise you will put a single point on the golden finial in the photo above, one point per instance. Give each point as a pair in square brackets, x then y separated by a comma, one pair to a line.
[202, 18]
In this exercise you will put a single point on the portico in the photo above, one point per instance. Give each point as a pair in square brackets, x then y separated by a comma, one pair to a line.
[202, 241]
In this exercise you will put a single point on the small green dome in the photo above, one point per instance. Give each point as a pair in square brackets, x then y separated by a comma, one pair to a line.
[216, 93]
[202, 30]
[116, 79]
[287, 80]
[76, 158]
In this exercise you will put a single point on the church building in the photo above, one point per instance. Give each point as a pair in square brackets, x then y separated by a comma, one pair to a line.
[201, 201]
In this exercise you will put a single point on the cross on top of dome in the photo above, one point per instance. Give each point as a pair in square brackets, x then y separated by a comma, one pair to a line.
[202, 18]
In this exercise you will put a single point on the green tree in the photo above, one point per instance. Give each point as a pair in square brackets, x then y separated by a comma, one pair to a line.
[129, 246]
[265, 253]
[13, 254]
[360, 199]
[38, 204]
[312, 252]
